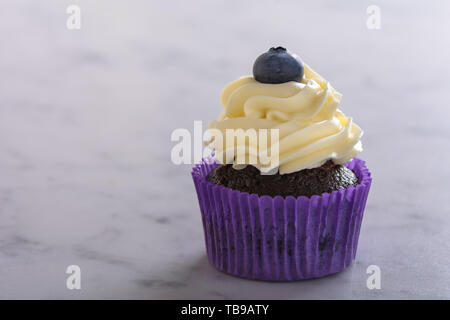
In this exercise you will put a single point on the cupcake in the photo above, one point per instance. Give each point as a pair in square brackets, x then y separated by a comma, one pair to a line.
[283, 196]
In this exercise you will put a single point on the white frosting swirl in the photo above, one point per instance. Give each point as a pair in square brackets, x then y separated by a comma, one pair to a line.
[312, 129]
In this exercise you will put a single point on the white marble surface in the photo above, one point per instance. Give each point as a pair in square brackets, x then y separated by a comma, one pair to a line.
[85, 123]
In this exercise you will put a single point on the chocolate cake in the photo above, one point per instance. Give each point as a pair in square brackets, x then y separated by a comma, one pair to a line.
[307, 182]
[282, 227]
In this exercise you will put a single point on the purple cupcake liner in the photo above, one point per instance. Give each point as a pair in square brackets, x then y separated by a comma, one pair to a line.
[281, 239]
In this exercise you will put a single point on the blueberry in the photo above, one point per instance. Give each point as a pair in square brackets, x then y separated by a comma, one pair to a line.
[277, 66]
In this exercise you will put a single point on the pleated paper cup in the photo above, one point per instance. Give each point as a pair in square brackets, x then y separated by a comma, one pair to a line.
[281, 239]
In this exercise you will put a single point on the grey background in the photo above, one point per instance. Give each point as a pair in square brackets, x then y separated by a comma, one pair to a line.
[86, 118]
